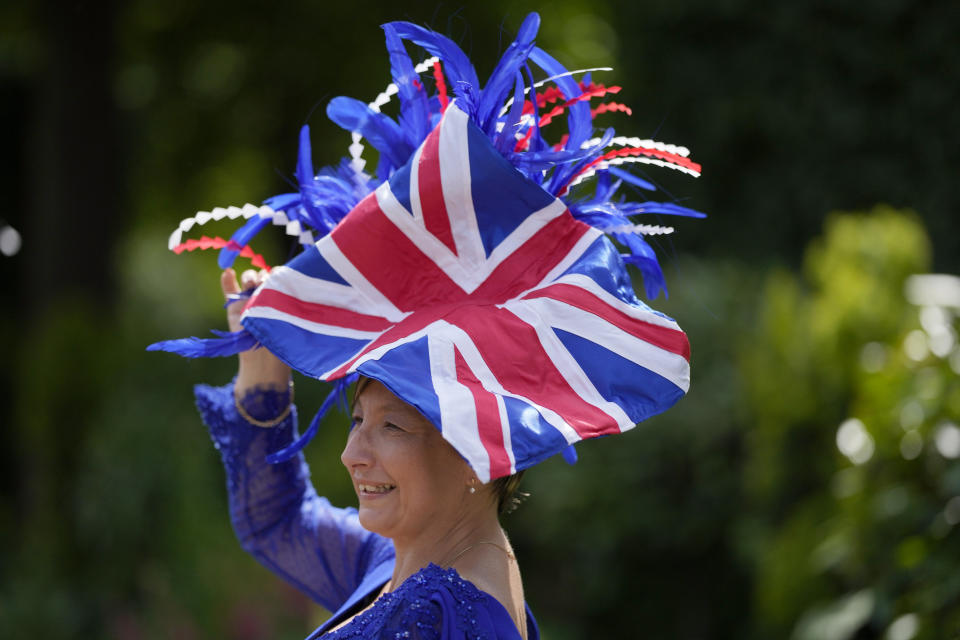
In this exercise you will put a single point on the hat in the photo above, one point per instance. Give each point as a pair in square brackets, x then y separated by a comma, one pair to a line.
[474, 276]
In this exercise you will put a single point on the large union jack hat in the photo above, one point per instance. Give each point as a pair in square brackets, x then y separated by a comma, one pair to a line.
[473, 276]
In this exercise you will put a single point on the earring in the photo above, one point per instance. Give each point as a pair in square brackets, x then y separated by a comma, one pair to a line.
[472, 488]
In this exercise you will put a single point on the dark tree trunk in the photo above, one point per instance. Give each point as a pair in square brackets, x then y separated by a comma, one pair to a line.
[74, 173]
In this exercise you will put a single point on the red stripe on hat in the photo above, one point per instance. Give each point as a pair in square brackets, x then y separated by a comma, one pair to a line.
[672, 340]
[512, 350]
[409, 325]
[528, 265]
[488, 419]
[390, 261]
[319, 313]
[432, 204]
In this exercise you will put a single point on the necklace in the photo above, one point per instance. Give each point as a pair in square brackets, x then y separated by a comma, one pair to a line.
[477, 544]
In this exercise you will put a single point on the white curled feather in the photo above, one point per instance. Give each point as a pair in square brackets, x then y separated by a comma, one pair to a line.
[247, 211]
[630, 160]
[357, 163]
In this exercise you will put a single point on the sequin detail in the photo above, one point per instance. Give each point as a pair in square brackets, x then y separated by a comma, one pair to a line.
[415, 610]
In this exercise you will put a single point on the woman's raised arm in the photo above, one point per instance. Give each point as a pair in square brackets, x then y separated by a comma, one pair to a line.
[275, 511]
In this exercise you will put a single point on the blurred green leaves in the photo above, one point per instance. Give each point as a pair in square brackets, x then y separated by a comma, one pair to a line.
[848, 484]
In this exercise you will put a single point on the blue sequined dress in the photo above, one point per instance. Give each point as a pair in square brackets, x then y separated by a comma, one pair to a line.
[323, 551]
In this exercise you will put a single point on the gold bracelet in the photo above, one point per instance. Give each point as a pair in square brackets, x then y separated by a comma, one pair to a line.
[264, 423]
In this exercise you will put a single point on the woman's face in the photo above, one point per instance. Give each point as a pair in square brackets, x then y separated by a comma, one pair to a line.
[407, 477]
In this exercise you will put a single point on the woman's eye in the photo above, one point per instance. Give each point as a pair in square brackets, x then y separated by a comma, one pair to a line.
[389, 426]
[355, 422]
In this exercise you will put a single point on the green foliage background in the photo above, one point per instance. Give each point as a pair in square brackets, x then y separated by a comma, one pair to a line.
[734, 515]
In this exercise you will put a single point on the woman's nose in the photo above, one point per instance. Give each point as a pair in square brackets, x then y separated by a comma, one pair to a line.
[356, 453]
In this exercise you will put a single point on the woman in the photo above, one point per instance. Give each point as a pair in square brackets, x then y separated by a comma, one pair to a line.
[419, 503]
[491, 320]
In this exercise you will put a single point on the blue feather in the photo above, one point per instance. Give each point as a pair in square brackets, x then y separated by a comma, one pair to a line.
[339, 389]
[498, 85]
[578, 114]
[384, 168]
[626, 176]
[310, 202]
[282, 201]
[382, 132]
[241, 236]
[456, 64]
[537, 142]
[414, 108]
[331, 195]
[228, 344]
[605, 187]
[642, 256]
[545, 159]
[304, 158]
[506, 139]
[567, 161]
[564, 174]
[603, 216]
[667, 208]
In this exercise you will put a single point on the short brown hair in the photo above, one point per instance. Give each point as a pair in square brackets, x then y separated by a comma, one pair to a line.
[506, 490]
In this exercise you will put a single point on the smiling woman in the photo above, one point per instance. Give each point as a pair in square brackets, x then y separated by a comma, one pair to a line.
[490, 321]
[404, 472]
[415, 489]
[425, 548]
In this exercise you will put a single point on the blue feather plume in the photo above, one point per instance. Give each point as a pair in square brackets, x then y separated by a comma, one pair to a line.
[628, 177]
[381, 131]
[241, 236]
[336, 396]
[500, 81]
[506, 139]
[414, 108]
[457, 66]
[228, 344]
[642, 256]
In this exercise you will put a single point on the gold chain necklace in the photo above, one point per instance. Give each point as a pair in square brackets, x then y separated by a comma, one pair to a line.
[477, 544]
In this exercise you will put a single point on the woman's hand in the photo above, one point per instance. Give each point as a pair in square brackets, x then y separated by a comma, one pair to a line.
[258, 367]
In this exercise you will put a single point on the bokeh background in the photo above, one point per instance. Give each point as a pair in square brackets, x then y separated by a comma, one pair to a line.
[806, 488]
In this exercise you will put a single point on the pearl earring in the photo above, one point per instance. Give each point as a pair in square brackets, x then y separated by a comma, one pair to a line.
[473, 489]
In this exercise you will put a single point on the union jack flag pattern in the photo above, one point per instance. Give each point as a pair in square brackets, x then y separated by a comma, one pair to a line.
[474, 295]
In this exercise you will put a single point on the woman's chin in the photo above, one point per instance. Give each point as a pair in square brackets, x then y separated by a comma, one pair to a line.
[373, 519]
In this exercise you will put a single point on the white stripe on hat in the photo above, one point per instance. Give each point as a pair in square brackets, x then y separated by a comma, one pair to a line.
[561, 315]
[566, 364]
[426, 242]
[315, 327]
[644, 314]
[375, 303]
[458, 412]
[475, 361]
[455, 177]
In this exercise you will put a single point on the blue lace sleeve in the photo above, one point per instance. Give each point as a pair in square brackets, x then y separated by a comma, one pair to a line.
[276, 514]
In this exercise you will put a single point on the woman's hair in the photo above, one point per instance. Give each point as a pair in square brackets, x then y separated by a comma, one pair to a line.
[504, 489]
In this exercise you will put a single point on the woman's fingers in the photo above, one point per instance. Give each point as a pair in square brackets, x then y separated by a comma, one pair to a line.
[228, 282]
[250, 279]
[258, 367]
